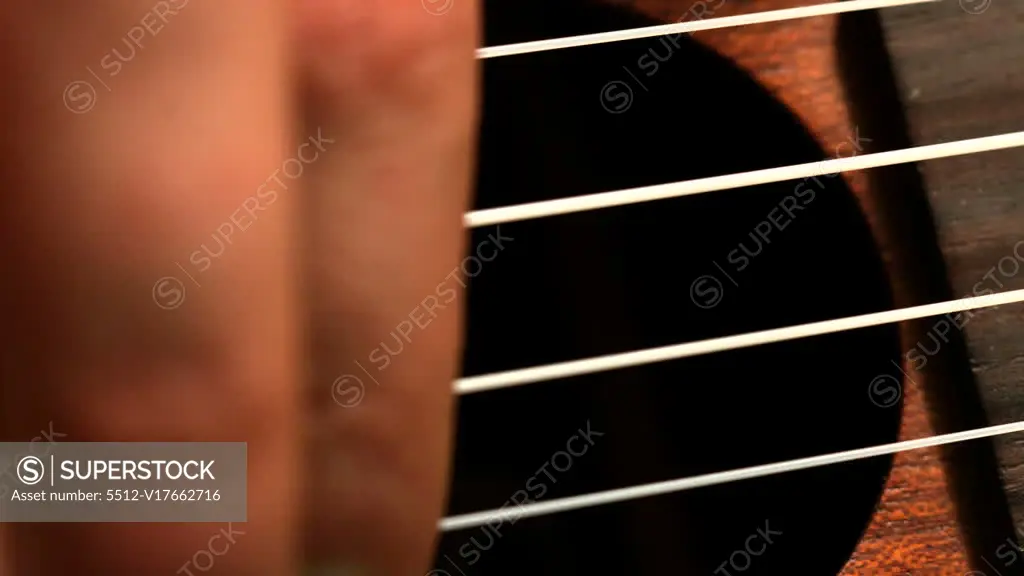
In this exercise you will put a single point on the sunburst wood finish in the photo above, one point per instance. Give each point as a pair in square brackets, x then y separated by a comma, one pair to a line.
[958, 70]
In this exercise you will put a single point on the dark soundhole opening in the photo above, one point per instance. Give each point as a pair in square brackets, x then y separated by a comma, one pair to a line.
[655, 274]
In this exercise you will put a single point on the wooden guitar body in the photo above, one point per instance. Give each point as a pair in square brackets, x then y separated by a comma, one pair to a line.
[614, 116]
[628, 114]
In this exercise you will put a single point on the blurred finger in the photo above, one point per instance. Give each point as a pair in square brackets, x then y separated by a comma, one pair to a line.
[173, 114]
[393, 84]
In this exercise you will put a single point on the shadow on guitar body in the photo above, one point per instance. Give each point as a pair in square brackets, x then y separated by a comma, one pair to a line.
[556, 124]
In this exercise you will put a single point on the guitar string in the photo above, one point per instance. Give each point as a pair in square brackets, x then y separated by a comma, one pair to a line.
[691, 26]
[504, 214]
[507, 379]
[514, 513]
[623, 197]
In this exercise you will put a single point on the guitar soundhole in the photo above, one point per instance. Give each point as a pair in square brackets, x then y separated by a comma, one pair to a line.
[654, 274]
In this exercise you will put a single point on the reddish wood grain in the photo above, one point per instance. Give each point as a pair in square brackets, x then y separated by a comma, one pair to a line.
[915, 528]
